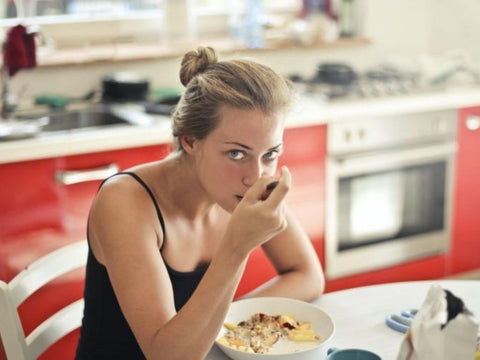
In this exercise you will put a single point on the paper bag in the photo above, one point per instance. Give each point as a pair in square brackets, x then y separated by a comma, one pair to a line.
[443, 329]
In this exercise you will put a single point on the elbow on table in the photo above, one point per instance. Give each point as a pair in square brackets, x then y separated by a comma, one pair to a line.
[318, 284]
[314, 283]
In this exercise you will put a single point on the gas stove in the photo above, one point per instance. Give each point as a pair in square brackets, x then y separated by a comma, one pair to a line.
[336, 81]
[385, 82]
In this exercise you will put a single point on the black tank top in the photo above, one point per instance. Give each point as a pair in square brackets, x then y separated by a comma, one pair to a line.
[105, 333]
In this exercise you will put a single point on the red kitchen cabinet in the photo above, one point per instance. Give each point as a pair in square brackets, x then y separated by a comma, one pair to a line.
[465, 252]
[304, 155]
[39, 214]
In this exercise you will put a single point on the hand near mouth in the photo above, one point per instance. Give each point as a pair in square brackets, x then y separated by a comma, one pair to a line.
[269, 190]
[261, 213]
[266, 186]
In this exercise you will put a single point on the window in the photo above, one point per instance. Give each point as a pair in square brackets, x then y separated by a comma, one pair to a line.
[60, 10]
[73, 23]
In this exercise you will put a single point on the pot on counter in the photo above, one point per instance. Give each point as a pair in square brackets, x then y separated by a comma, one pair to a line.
[124, 87]
[334, 79]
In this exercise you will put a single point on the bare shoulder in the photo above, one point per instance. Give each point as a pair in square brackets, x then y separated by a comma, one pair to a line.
[125, 234]
[122, 212]
[119, 194]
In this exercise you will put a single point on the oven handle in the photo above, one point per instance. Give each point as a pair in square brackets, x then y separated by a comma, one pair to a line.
[391, 159]
[472, 123]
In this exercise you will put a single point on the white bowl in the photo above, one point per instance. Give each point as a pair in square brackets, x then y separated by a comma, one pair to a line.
[320, 321]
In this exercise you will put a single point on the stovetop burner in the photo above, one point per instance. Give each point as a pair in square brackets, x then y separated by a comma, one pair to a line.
[386, 82]
[376, 82]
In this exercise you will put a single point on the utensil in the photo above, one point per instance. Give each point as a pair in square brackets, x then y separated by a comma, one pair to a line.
[269, 190]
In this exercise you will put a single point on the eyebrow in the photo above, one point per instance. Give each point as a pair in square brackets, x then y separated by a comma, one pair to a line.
[248, 147]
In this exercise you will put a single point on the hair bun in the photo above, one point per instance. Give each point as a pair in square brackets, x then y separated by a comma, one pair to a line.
[195, 62]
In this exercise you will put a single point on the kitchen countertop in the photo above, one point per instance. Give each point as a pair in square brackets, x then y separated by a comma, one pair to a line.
[309, 110]
[348, 108]
[359, 313]
[75, 142]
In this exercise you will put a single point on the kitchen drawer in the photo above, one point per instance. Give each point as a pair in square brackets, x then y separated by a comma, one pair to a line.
[32, 198]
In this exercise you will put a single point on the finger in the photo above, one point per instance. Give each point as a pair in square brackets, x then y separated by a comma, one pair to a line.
[281, 190]
[282, 210]
[258, 188]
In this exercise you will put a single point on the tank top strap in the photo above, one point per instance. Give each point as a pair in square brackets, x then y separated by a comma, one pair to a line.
[152, 196]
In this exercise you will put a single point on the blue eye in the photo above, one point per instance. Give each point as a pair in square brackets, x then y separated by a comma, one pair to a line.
[236, 154]
[271, 155]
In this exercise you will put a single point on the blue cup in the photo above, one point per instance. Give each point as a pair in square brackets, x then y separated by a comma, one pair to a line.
[351, 354]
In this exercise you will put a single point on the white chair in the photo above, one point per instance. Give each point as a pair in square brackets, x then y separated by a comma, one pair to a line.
[18, 346]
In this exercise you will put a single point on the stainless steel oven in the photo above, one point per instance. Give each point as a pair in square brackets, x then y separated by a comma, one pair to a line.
[389, 190]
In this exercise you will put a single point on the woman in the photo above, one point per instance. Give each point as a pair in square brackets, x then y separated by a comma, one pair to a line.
[169, 240]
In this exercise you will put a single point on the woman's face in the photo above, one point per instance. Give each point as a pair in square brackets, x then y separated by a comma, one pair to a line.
[245, 145]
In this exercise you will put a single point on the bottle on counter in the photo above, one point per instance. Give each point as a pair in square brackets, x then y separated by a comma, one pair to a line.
[253, 36]
[180, 21]
[346, 19]
[235, 22]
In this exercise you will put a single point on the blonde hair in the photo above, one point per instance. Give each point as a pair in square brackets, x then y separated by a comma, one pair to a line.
[211, 84]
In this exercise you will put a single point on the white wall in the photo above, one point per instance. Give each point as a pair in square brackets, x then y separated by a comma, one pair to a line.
[456, 27]
[397, 28]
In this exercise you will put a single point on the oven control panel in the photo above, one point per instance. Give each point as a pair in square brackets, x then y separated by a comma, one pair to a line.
[374, 133]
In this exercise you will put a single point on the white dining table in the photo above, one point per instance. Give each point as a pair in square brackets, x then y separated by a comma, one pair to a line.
[359, 313]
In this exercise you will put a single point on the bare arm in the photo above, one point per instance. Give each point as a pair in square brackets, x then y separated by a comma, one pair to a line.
[128, 244]
[300, 274]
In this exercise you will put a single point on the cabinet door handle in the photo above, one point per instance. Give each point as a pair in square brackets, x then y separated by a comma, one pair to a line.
[473, 123]
[69, 177]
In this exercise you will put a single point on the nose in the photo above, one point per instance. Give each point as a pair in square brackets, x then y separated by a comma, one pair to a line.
[252, 173]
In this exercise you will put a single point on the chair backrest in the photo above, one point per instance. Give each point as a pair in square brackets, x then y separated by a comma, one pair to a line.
[18, 346]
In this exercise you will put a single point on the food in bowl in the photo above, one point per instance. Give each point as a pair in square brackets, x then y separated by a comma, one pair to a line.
[284, 349]
[258, 333]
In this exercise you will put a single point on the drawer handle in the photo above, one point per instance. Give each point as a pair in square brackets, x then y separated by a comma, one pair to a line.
[473, 123]
[69, 177]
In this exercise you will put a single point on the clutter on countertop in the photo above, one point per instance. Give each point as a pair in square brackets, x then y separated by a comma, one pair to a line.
[396, 76]
[57, 101]
[133, 88]
[124, 87]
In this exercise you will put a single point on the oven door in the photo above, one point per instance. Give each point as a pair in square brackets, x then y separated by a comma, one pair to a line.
[388, 207]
